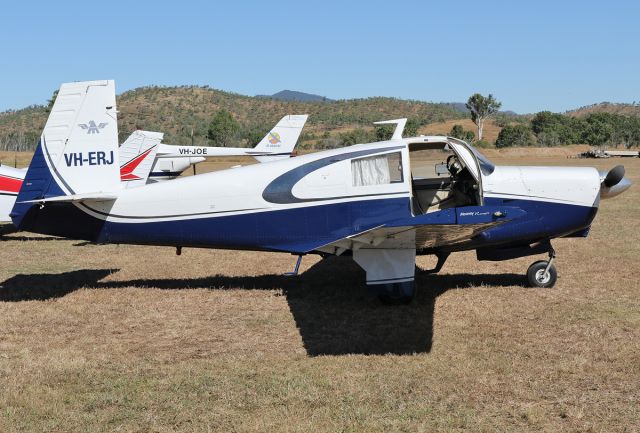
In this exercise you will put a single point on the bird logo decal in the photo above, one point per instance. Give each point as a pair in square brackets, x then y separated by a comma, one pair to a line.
[92, 128]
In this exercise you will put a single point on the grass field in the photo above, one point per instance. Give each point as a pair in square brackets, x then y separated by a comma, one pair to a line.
[121, 338]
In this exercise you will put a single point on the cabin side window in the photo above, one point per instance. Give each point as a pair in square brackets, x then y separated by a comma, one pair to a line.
[377, 170]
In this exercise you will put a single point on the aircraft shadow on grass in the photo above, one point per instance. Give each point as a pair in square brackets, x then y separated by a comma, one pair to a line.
[329, 302]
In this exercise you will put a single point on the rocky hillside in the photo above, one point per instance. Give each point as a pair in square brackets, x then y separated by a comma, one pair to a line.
[607, 107]
[177, 111]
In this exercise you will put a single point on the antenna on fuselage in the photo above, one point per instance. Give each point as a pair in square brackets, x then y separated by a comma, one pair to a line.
[397, 134]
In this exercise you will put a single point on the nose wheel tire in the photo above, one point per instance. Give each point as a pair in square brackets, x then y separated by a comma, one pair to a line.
[540, 274]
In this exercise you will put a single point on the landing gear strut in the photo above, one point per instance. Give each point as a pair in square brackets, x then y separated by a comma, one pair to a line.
[543, 273]
[442, 258]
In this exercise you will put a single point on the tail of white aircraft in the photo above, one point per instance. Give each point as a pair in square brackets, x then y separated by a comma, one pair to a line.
[137, 156]
[80, 139]
[280, 141]
[10, 183]
[77, 157]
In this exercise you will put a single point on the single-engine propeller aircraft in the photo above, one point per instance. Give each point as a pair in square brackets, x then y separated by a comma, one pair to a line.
[367, 200]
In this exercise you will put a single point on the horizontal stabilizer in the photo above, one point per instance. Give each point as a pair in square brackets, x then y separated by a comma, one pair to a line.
[97, 196]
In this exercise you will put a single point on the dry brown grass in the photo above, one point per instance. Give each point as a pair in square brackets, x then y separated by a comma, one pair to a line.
[118, 338]
[16, 159]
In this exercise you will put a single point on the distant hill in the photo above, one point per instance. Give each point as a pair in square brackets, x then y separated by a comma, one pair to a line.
[607, 107]
[293, 95]
[458, 106]
[177, 111]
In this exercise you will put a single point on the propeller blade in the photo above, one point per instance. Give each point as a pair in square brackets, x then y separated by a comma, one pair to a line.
[614, 176]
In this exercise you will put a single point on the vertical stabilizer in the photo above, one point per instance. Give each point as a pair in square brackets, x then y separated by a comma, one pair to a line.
[78, 151]
[281, 140]
[137, 156]
[80, 139]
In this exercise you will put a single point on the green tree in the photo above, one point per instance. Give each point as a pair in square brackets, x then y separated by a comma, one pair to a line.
[384, 132]
[411, 128]
[514, 135]
[51, 101]
[599, 129]
[482, 108]
[460, 133]
[554, 129]
[357, 136]
[222, 128]
[630, 134]
[253, 134]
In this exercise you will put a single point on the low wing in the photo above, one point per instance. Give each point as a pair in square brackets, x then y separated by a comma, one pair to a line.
[432, 230]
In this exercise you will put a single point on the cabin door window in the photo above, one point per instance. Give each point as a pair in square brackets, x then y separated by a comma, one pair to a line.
[377, 170]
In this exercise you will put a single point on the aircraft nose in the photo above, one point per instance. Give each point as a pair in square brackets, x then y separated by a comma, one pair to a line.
[613, 182]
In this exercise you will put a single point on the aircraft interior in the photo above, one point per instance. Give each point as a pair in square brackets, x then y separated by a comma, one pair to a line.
[440, 179]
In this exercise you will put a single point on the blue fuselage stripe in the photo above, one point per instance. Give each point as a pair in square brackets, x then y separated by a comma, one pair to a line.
[301, 229]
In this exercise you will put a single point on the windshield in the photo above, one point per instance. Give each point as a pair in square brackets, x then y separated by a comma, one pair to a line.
[486, 166]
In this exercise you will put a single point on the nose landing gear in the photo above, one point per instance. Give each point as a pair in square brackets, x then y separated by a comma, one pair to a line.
[543, 273]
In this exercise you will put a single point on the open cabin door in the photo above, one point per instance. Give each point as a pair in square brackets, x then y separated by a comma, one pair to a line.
[444, 175]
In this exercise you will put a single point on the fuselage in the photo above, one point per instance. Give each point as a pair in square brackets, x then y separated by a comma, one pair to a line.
[299, 205]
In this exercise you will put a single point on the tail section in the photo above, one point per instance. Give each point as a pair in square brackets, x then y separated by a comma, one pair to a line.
[137, 156]
[80, 138]
[282, 139]
[77, 157]
[10, 183]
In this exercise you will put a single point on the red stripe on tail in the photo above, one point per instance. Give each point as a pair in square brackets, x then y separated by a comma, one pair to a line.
[126, 171]
[10, 184]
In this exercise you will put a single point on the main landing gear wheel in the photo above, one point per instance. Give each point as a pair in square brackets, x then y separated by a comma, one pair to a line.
[397, 293]
[542, 274]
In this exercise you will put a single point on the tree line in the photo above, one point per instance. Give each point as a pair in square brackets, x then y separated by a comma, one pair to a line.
[554, 129]
[185, 120]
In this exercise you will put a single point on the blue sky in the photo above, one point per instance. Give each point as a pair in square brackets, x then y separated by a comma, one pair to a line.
[532, 56]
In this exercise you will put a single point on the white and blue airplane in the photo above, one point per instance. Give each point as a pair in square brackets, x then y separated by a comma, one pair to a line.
[360, 200]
